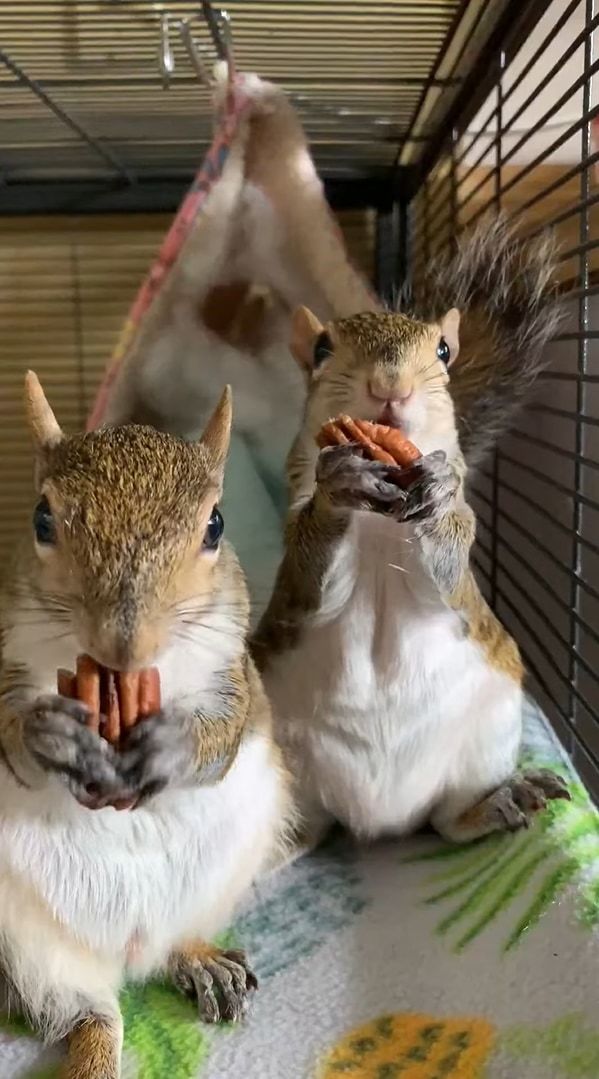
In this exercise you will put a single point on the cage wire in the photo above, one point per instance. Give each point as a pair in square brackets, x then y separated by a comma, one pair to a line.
[430, 116]
[529, 149]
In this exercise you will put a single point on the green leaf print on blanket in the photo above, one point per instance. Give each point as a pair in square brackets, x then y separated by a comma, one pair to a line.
[482, 880]
[568, 1042]
[163, 1035]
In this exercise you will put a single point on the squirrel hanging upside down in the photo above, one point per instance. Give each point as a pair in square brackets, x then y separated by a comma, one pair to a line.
[396, 692]
[126, 563]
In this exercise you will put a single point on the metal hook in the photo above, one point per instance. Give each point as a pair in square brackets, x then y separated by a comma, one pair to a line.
[166, 59]
[227, 31]
[219, 26]
[194, 51]
[218, 22]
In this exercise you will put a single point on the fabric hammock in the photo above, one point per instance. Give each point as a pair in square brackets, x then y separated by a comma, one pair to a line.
[253, 238]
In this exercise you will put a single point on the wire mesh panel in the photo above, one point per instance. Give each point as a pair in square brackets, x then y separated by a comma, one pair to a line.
[529, 149]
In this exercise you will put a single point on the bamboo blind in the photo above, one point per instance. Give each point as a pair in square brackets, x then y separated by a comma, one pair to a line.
[65, 288]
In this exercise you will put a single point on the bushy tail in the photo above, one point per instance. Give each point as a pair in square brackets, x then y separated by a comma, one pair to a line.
[505, 290]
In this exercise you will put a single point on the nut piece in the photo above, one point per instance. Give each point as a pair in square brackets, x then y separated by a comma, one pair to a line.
[66, 683]
[88, 689]
[110, 707]
[128, 686]
[149, 692]
[116, 699]
[392, 440]
[385, 444]
[332, 435]
[363, 438]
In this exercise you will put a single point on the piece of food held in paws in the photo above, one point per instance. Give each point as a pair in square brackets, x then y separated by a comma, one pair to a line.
[116, 700]
[379, 442]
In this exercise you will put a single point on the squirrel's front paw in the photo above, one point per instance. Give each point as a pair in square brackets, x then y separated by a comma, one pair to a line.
[160, 751]
[432, 489]
[56, 736]
[348, 480]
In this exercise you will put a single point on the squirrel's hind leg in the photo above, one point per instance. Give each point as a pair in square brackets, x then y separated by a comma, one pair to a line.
[509, 808]
[65, 991]
[95, 1049]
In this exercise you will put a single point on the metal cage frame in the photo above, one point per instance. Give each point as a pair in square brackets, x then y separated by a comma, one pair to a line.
[536, 541]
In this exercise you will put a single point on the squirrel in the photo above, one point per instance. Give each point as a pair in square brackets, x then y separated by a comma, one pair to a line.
[396, 693]
[125, 562]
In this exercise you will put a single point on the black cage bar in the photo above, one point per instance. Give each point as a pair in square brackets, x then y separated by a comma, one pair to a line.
[524, 143]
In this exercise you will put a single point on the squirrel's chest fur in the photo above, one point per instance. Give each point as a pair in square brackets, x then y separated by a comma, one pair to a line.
[379, 698]
[142, 880]
[133, 884]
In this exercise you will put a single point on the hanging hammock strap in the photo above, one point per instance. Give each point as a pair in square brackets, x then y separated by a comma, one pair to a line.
[236, 103]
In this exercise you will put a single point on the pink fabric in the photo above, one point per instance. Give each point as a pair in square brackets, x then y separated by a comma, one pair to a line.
[237, 101]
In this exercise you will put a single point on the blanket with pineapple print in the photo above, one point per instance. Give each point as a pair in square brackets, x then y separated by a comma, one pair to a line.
[405, 960]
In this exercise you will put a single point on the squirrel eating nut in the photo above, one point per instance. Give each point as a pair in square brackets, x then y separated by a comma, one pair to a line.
[397, 694]
[116, 699]
[125, 561]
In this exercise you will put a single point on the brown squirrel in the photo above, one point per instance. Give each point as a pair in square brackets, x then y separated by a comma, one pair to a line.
[396, 692]
[126, 563]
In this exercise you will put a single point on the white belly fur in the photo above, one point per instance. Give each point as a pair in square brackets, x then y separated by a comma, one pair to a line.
[160, 875]
[132, 885]
[386, 705]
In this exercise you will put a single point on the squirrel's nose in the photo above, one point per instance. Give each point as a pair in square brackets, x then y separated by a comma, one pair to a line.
[398, 394]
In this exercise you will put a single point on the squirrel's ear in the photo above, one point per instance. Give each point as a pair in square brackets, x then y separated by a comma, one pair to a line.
[305, 328]
[217, 434]
[40, 417]
[450, 327]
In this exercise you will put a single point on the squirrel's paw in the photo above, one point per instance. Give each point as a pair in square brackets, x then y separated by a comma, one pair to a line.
[220, 981]
[532, 790]
[508, 808]
[523, 795]
[432, 488]
[158, 751]
[350, 481]
[56, 736]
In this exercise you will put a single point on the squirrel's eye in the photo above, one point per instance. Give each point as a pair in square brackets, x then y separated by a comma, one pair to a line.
[214, 530]
[443, 352]
[323, 346]
[43, 522]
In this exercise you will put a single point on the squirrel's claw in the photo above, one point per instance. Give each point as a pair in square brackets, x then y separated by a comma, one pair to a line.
[424, 489]
[351, 481]
[220, 981]
[56, 736]
[158, 749]
[432, 491]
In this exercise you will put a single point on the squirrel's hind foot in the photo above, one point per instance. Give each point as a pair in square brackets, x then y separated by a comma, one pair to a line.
[509, 808]
[220, 981]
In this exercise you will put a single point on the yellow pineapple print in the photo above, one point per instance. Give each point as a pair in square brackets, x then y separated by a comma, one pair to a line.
[410, 1046]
